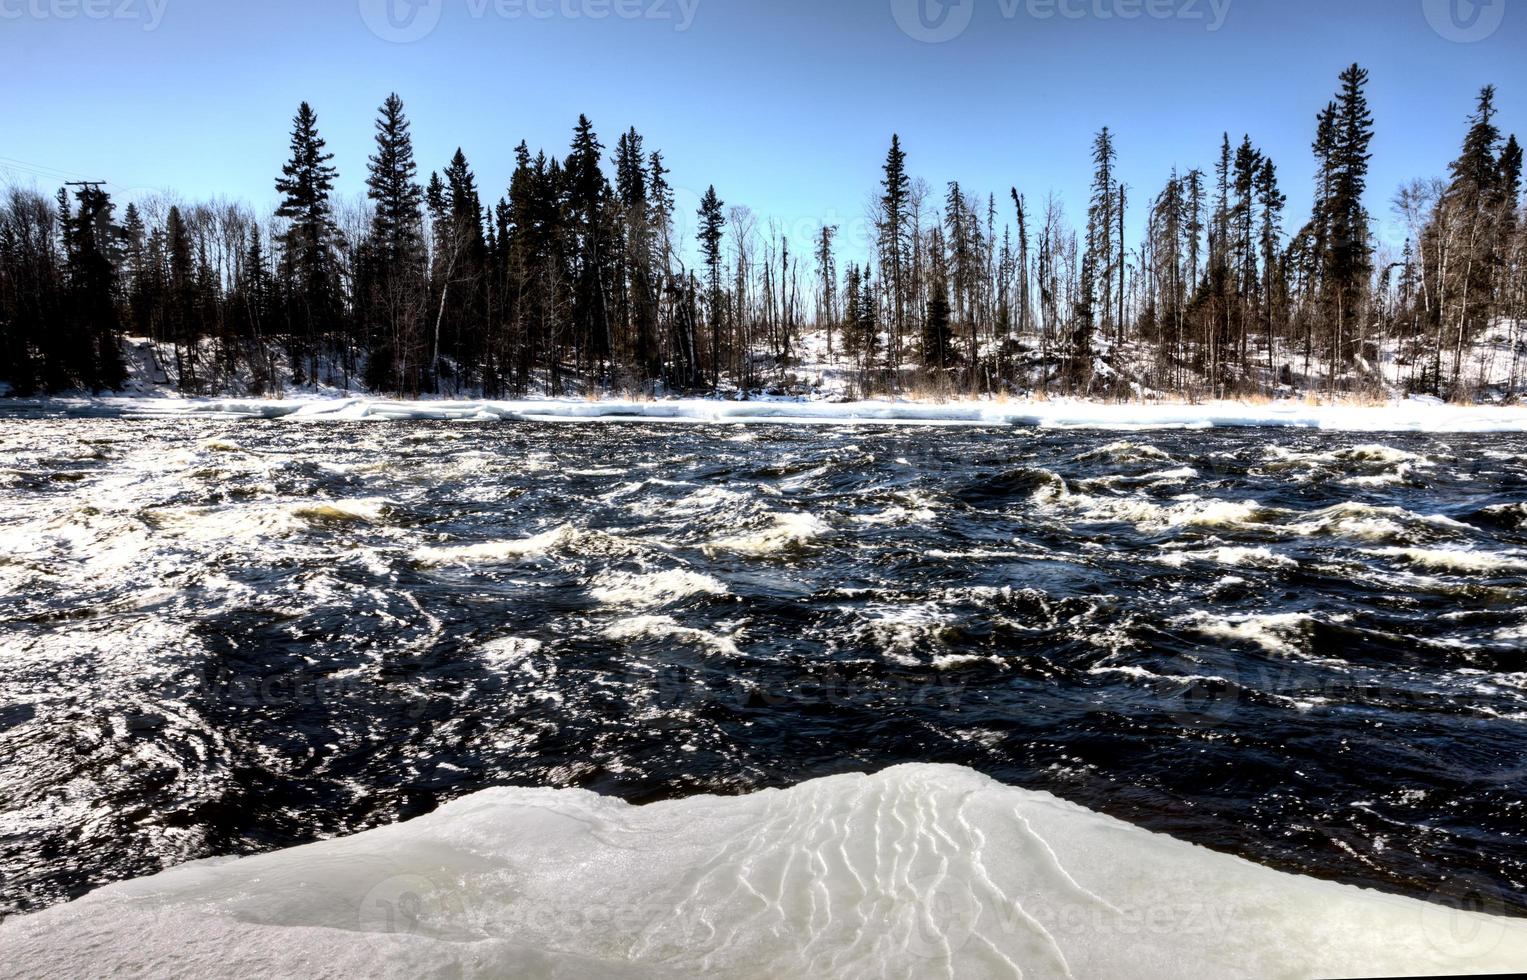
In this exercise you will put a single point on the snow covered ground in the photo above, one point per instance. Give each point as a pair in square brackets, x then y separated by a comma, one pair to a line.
[918, 871]
[1410, 415]
[816, 387]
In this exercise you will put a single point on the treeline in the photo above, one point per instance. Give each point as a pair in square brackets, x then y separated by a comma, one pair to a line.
[578, 279]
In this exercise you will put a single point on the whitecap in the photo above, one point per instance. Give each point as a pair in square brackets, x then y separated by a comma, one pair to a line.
[784, 531]
[562, 539]
[1282, 633]
[1250, 557]
[1456, 559]
[655, 588]
[667, 628]
[1125, 452]
[509, 651]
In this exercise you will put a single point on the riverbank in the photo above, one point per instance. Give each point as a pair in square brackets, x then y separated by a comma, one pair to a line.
[1409, 415]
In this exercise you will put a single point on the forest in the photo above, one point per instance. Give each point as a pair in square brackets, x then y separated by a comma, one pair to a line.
[581, 279]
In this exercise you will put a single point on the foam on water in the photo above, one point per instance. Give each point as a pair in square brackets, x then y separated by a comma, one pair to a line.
[1146, 514]
[667, 628]
[1371, 522]
[1457, 560]
[1280, 633]
[1251, 557]
[1126, 452]
[919, 871]
[510, 651]
[565, 538]
[656, 588]
[782, 532]
[368, 511]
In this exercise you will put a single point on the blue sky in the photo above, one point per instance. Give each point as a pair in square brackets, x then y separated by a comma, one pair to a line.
[786, 105]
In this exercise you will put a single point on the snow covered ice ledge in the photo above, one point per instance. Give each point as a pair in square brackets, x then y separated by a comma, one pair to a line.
[1411, 415]
[919, 871]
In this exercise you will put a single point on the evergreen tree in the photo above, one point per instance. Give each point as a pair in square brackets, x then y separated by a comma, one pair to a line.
[180, 314]
[308, 260]
[1471, 232]
[1349, 260]
[588, 190]
[937, 336]
[392, 184]
[1271, 201]
[868, 322]
[637, 284]
[828, 276]
[90, 355]
[894, 204]
[1100, 219]
[391, 299]
[712, 228]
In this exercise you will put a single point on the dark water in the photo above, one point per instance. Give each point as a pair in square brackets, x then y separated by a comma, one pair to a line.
[226, 637]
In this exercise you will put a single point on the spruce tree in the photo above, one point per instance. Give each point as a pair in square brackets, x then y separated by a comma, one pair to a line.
[894, 202]
[828, 276]
[1471, 216]
[180, 298]
[1100, 218]
[869, 323]
[937, 336]
[89, 354]
[712, 226]
[391, 296]
[588, 192]
[308, 262]
[392, 184]
[1350, 252]
[1271, 201]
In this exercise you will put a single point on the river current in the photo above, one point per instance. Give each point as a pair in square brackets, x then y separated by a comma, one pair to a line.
[223, 637]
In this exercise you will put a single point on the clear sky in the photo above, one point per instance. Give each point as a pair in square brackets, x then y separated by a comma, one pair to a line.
[787, 106]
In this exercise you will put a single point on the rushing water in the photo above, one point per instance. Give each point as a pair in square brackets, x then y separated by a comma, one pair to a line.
[222, 637]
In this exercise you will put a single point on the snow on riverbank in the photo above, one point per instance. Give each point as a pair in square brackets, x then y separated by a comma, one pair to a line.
[917, 871]
[1412, 415]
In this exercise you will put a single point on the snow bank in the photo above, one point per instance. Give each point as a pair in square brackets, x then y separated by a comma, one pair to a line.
[919, 871]
[1413, 415]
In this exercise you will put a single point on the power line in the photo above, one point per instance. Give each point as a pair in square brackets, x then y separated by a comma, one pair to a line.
[44, 172]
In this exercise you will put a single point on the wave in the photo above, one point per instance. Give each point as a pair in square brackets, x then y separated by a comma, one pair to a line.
[1507, 515]
[1456, 559]
[906, 634]
[782, 533]
[1370, 522]
[667, 628]
[655, 588]
[1125, 452]
[216, 445]
[1369, 455]
[911, 507]
[565, 539]
[509, 651]
[1147, 514]
[1285, 634]
[1236, 557]
[365, 511]
[918, 871]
